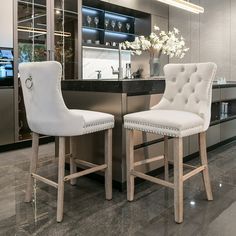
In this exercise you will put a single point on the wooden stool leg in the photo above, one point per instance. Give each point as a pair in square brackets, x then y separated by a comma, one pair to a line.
[108, 161]
[61, 174]
[73, 167]
[166, 164]
[33, 166]
[178, 179]
[203, 156]
[130, 164]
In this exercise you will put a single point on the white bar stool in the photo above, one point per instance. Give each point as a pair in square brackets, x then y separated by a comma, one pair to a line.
[47, 114]
[184, 110]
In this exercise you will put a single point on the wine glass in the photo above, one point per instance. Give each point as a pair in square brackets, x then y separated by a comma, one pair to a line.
[106, 23]
[119, 24]
[128, 27]
[113, 24]
[89, 19]
[96, 21]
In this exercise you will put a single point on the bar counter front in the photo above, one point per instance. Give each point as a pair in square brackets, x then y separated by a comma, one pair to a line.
[127, 96]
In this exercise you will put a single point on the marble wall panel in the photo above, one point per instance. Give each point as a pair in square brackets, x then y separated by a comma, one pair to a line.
[102, 59]
[210, 36]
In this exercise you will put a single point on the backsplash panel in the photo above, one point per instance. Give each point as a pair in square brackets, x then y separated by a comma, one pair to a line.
[102, 59]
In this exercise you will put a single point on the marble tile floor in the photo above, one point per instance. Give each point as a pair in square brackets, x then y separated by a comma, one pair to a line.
[88, 214]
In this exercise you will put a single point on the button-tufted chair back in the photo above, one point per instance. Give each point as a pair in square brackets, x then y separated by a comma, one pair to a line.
[45, 107]
[189, 88]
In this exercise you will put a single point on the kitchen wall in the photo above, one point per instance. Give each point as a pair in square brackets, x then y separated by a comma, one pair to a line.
[6, 23]
[210, 36]
[159, 16]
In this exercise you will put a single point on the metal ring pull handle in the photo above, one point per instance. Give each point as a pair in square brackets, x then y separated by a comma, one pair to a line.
[29, 82]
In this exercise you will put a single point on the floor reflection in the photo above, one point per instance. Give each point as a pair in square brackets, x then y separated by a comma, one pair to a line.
[87, 213]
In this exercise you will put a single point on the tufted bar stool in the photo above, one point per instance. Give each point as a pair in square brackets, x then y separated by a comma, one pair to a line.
[47, 114]
[184, 110]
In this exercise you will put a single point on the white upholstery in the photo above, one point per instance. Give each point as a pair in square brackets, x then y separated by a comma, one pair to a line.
[185, 107]
[45, 108]
[165, 122]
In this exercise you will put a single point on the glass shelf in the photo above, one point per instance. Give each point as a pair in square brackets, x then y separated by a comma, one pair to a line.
[119, 33]
[92, 28]
[221, 120]
[216, 112]
[91, 10]
[119, 17]
[104, 33]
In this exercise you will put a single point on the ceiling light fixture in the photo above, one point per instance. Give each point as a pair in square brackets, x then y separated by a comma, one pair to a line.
[188, 6]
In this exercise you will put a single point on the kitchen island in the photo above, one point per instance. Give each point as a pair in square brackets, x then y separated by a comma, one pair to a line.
[127, 96]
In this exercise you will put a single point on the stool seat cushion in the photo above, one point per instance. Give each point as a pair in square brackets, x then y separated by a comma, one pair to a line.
[74, 123]
[165, 122]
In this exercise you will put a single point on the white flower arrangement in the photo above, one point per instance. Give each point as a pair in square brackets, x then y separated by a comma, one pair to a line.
[171, 44]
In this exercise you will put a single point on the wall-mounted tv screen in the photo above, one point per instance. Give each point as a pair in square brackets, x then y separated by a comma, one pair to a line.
[6, 67]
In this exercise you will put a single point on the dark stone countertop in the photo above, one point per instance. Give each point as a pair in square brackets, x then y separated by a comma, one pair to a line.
[131, 87]
[228, 84]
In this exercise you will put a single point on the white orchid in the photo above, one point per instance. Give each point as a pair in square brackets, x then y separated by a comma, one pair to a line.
[156, 43]
[156, 28]
[176, 31]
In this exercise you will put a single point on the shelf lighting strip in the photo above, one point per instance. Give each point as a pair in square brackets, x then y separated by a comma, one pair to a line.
[89, 11]
[115, 17]
[120, 35]
[42, 31]
[188, 6]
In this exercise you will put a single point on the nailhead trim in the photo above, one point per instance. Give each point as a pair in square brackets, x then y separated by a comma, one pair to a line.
[96, 123]
[163, 130]
[95, 127]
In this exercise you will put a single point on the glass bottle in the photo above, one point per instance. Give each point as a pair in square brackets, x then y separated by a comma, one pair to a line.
[128, 71]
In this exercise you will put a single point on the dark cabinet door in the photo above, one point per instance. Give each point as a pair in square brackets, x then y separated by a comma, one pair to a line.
[7, 116]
